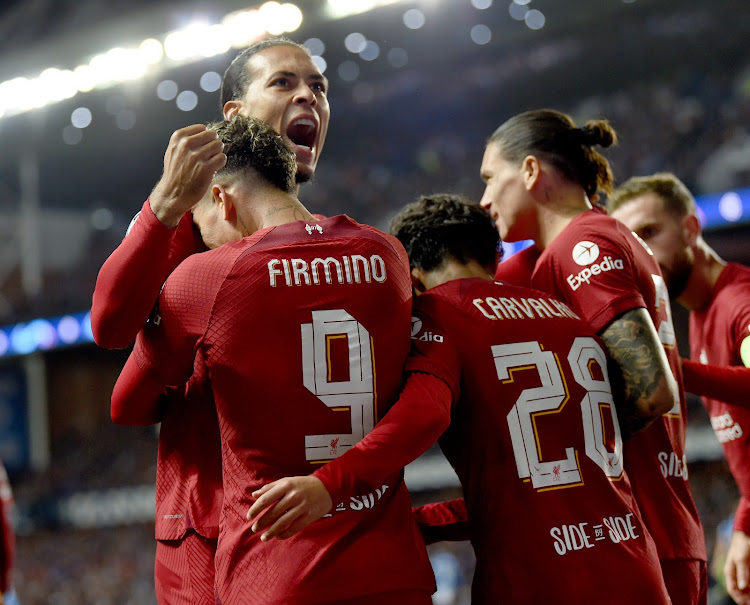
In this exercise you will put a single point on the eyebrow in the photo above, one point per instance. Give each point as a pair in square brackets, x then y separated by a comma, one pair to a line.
[315, 77]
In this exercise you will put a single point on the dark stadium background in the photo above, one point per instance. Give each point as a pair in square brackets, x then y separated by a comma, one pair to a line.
[672, 77]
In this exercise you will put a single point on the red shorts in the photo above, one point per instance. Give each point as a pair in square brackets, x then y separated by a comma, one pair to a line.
[686, 580]
[184, 570]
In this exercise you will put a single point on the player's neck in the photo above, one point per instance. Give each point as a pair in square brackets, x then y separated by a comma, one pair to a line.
[706, 271]
[449, 271]
[558, 204]
[276, 207]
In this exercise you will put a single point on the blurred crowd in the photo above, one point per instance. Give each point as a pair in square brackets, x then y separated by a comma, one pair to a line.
[690, 123]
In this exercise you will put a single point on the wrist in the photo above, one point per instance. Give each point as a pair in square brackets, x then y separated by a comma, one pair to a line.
[163, 209]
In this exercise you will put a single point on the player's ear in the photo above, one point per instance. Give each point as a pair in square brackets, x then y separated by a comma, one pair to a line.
[231, 109]
[692, 227]
[530, 170]
[223, 202]
[417, 280]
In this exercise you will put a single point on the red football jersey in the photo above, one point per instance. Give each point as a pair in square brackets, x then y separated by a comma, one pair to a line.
[8, 537]
[303, 329]
[601, 270]
[188, 476]
[716, 334]
[129, 281]
[536, 443]
[518, 269]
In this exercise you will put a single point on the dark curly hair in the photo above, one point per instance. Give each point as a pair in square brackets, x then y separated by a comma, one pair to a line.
[238, 76]
[251, 144]
[446, 226]
[554, 137]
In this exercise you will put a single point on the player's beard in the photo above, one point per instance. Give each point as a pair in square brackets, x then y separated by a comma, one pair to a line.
[304, 177]
[678, 278]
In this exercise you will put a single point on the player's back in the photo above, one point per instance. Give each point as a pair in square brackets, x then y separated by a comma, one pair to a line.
[305, 351]
[535, 441]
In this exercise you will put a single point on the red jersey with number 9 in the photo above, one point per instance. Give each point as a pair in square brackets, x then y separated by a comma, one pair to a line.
[536, 442]
[602, 270]
[303, 330]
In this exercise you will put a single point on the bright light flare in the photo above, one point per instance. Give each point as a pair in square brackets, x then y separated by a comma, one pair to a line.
[199, 40]
[243, 28]
[151, 50]
[337, 9]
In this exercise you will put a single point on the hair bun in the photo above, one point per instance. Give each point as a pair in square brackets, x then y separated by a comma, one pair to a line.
[598, 132]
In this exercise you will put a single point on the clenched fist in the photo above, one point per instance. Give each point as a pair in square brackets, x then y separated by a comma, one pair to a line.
[192, 158]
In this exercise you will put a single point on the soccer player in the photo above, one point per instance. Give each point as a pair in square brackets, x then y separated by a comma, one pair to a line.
[541, 171]
[661, 210]
[301, 362]
[533, 433]
[275, 80]
[7, 540]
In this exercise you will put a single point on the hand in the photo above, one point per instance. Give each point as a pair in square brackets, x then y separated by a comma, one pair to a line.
[192, 158]
[737, 568]
[298, 502]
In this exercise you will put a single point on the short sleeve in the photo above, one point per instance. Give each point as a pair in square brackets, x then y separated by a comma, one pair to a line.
[595, 271]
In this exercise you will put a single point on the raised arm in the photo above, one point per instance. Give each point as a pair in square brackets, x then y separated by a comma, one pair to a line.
[640, 370]
[160, 237]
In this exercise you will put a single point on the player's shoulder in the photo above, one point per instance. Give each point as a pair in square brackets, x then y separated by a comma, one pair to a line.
[218, 261]
[459, 293]
[591, 225]
[593, 238]
[732, 288]
[377, 236]
[736, 275]
[518, 268]
[369, 231]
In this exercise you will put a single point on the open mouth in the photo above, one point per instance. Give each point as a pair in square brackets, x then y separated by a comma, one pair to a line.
[302, 133]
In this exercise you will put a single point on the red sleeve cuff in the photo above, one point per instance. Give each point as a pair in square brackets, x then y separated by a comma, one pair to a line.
[443, 521]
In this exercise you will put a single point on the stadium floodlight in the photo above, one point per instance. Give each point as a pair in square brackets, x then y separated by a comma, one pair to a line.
[152, 51]
[338, 9]
[193, 43]
[84, 78]
[60, 83]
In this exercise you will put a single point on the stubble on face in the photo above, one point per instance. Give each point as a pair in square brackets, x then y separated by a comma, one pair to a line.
[269, 99]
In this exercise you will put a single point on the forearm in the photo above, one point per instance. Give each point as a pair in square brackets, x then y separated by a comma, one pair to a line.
[742, 516]
[129, 282]
[730, 384]
[410, 427]
[641, 377]
[443, 521]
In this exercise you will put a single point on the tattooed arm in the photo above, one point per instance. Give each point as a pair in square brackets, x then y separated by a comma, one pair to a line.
[640, 371]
